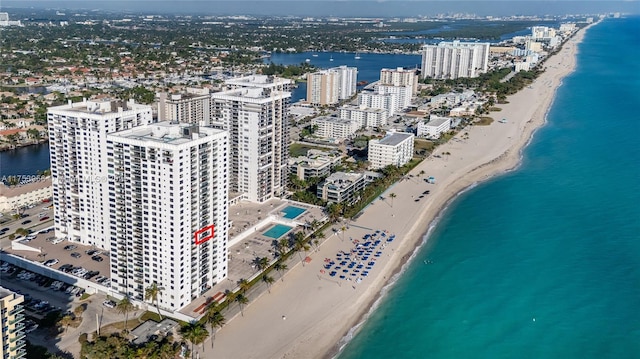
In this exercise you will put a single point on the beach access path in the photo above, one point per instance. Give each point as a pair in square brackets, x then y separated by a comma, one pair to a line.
[308, 313]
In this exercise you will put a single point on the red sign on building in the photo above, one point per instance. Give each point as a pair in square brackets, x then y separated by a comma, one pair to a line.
[204, 234]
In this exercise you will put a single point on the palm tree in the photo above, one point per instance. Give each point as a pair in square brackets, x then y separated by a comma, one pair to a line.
[243, 284]
[343, 229]
[261, 263]
[242, 300]
[215, 320]
[268, 280]
[152, 293]
[284, 245]
[334, 210]
[422, 173]
[300, 245]
[280, 267]
[229, 297]
[392, 195]
[125, 307]
[195, 333]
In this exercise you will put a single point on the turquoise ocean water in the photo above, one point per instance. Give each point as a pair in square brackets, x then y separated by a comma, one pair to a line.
[544, 261]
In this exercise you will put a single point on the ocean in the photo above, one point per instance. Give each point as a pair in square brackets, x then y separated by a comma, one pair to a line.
[543, 261]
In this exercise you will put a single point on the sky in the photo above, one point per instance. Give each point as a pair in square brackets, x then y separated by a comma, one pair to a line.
[375, 8]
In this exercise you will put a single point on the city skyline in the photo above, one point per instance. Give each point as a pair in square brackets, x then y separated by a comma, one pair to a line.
[383, 8]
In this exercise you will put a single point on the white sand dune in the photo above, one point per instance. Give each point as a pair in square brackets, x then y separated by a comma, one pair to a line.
[320, 309]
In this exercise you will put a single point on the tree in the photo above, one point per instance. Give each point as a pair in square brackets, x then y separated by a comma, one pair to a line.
[300, 245]
[195, 333]
[230, 297]
[34, 134]
[422, 173]
[392, 195]
[343, 229]
[125, 307]
[268, 280]
[152, 293]
[215, 320]
[334, 210]
[261, 263]
[280, 267]
[242, 300]
[243, 284]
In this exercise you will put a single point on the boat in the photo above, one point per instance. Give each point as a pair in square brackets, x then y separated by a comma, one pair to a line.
[362, 83]
[307, 60]
[357, 57]
[315, 55]
[331, 58]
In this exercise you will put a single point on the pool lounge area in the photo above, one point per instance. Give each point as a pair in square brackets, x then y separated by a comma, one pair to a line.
[292, 212]
[277, 231]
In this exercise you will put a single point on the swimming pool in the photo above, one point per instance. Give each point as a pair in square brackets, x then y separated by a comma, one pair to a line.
[277, 231]
[291, 212]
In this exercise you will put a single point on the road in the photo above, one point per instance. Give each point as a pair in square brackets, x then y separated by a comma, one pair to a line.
[35, 224]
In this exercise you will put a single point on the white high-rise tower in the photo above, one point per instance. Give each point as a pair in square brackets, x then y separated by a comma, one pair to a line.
[80, 169]
[168, 210]
[256, 114]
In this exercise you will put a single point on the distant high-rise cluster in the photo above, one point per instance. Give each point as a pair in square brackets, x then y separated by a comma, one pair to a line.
[451, 60]
[328, 87]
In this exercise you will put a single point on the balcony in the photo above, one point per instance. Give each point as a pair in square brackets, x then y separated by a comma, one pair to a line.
[17, 319]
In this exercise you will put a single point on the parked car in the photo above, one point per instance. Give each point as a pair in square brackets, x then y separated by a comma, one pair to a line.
[97, 258]
[51, 262]
[70, 247]
[27, 221]
[76, 255]
[109, 304]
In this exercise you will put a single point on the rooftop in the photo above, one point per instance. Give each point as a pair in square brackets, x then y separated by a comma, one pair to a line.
[437, 121]
[341, 180]
[4, 292]
[100, 106]
[395, 138]
[166, 132]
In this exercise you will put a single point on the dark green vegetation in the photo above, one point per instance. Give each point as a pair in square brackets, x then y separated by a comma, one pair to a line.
[109, 42]
[115, 346]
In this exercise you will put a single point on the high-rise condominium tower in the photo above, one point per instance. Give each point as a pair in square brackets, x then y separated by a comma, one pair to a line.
[256, 114]
[450, 60]
[79, 166]
[168, 210]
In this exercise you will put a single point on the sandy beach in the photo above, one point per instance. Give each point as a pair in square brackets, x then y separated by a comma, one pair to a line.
[308, 314]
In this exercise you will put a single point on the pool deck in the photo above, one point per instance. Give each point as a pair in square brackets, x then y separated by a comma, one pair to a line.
[250, 220]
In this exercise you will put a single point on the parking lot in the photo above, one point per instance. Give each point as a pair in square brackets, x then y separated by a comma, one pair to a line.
[81, 261]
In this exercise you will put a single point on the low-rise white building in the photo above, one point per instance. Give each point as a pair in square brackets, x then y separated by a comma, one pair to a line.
[403, 94]
[434, 126]
[315, 164]
[334, 127]
[341, 187]
[394, 149]
[12, 198]
[364, 116]
[388, 101]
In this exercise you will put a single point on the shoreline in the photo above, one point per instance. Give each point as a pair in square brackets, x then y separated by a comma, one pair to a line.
[531, 127]
[321, 317]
